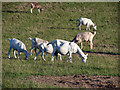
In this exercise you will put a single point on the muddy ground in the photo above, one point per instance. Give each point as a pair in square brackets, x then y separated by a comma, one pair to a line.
[78, 81]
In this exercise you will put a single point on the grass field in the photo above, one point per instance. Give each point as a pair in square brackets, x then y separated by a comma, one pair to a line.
[58, 21]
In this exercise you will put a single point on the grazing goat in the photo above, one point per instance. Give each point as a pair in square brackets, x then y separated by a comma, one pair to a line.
[87, 22]
[19, 46]
[44, 47]
[36, 42]
[85, 36]
[36, 5]
[67, 48]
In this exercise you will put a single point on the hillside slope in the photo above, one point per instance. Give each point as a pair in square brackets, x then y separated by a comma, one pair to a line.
[58, 21]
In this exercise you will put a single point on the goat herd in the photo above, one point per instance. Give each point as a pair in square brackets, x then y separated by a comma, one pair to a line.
[57, 47]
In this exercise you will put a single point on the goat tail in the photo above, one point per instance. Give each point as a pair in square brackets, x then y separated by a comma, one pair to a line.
[9, 39]
[73, 39]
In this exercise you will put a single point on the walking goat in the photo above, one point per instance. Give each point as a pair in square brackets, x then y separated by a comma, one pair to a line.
[67, 48]
[87, 22]
[85, 36]
[36, 5]
[36, 42]
[48, 48]
[19, 46]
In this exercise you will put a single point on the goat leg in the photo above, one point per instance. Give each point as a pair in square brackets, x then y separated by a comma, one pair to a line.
[9, 52]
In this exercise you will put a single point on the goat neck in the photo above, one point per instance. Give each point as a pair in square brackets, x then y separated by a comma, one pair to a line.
[80, 52]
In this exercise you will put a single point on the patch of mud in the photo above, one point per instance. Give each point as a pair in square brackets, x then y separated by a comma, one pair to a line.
[78, 81]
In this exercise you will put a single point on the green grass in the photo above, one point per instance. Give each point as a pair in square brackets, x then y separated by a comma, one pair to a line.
[57, 21]
[16, 70]
[31, 67]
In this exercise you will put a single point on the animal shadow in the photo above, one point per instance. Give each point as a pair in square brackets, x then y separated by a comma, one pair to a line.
[102, 53]
[61, 28]
[16, 11]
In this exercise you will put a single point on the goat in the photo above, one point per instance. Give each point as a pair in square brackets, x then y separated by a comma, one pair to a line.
[19, 46]
[85, 36]
[36, 42]
[87, 22]
[45, 47]
[67, 48]
[36, 5]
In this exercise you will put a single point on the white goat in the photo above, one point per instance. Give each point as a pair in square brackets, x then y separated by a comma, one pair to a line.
[85, 36]
[67, 48]
[36, 5]
[19, 46]
[44, 47]
[87, 22]
[36, 42]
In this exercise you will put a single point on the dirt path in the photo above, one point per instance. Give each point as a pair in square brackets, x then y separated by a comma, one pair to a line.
[77, 81]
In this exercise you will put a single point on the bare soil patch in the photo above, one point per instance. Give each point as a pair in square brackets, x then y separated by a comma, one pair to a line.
[78, 81]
